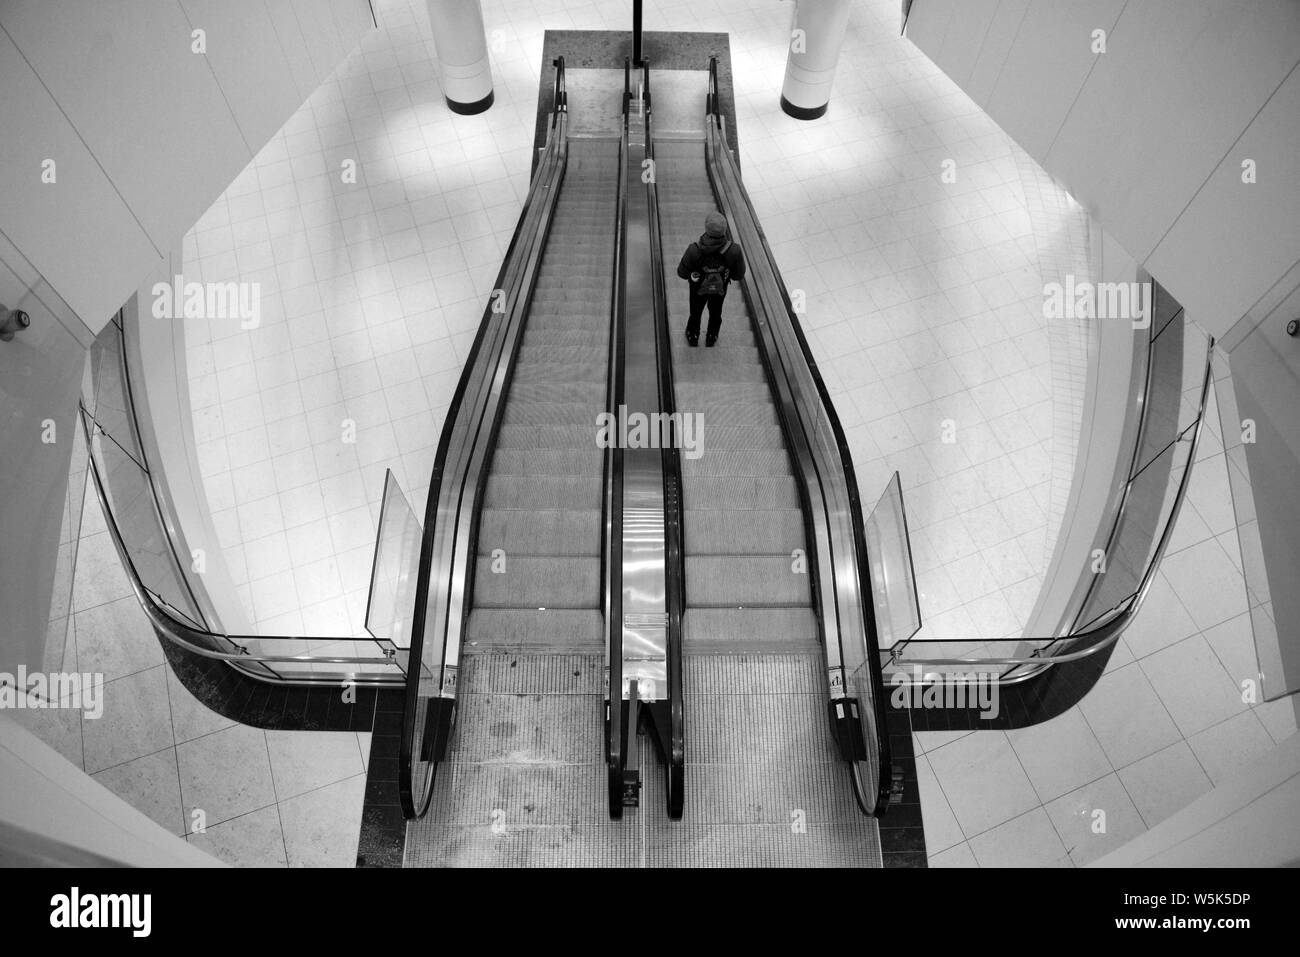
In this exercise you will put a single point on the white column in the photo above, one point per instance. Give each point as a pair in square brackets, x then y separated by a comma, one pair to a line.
[461, 42]
[816, 34]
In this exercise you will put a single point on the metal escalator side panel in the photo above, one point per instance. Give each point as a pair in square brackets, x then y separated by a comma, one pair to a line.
[643, 625]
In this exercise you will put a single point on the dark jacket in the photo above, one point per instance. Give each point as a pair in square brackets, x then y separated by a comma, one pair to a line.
[697, 256]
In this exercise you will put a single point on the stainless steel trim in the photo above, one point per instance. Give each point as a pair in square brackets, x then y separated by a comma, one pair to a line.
[645, 603]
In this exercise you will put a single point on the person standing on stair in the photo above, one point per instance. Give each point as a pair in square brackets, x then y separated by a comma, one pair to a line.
[708, 266]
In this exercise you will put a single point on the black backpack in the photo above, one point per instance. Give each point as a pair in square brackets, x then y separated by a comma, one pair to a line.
[714, 277]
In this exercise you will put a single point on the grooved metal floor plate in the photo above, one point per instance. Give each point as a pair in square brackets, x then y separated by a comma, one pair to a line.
[524, 785]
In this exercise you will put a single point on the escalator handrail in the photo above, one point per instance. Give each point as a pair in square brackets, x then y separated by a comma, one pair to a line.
[491, 373]
[674, 503]
[559, 93]
[844, 470]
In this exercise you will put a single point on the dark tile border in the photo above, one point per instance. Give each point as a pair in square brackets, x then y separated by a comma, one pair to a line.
[902, 832]
[240, 698]
[382, 841]
[278, 708]
[1038, 699]
[1030, 702]
[607, 49]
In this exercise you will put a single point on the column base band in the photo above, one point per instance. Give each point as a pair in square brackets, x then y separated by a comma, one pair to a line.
[478, 106]
[803, 112]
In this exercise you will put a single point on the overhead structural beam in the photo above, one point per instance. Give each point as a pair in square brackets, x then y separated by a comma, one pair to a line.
[636, 32]
[816, 34]
[461, 42]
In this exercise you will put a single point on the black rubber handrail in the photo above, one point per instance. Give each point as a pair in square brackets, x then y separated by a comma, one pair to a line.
[525, 244]
[883, 751]
[674, 503]
[611, 552]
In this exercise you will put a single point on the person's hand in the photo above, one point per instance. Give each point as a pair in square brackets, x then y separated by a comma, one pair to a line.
[695, 277]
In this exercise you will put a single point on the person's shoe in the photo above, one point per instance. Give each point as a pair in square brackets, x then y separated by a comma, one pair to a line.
[710, 341]
[694, 340]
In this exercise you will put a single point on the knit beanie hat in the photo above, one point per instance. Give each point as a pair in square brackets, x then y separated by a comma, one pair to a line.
[715, 232]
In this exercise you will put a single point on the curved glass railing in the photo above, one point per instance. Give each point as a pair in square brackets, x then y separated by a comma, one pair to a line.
[460, 476]
[1171, 394]
[827, 483]
[125, 487]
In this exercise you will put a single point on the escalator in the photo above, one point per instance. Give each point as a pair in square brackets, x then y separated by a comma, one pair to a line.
[525, 753]
[767, 784]
[588, 608]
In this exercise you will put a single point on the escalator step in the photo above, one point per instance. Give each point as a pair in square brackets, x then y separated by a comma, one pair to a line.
[560, 372]
[529, 630]
[717, 532]
[736, 373]
[722, 461]
[742, 580]
[577, 412]
[540, 531]
[717, 437]
[536, 336]
[700, 361]
[749, 630]
[546, 462]
[538, 582]
[549, 391]
[593, 355]
[581, 437]
[742, 492]
[544, 491]
[758, 414]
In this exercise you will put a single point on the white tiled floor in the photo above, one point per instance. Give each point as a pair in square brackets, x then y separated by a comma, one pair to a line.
[925, 310]
[924, 301]
[262, 798]
[1166, 723]
[371, 293]
[924, 306]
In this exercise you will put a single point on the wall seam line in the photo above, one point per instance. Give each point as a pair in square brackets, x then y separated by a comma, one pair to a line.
[220, 89]
[1078, 93]
[1226, 153]
[76, 132]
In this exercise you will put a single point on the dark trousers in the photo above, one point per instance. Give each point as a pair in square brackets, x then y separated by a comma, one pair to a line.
[698, 303]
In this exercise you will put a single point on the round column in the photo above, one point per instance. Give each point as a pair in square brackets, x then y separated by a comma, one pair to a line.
[816, 34]
[461, 43]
